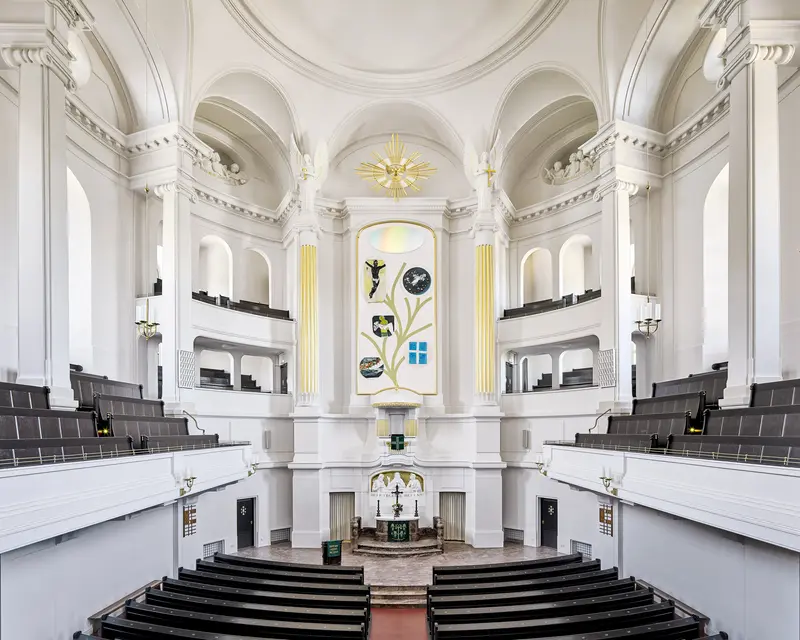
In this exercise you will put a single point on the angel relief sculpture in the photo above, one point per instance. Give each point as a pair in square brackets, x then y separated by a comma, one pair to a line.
[213, 166]
[579, 164]
[482, 170]
[310, 174]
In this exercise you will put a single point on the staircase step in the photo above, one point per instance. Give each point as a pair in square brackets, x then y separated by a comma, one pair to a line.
[407, 597]
[397, 553]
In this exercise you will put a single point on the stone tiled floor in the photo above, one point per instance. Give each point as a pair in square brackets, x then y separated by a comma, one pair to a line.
[398, 624]
[404, 571]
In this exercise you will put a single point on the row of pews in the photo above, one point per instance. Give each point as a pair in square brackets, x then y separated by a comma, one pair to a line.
[235, 597]
[683, 418]
[562, 597]
[543, 306]
[112, 420]
[247, 306]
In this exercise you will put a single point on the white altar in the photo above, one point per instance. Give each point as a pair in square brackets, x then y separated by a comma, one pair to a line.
[404, 528]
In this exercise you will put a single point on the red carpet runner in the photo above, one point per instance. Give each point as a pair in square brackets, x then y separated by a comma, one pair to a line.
[398, 624]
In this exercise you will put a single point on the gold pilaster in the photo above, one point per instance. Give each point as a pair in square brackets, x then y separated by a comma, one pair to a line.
[308, 346]
[484, 321]
[382, 427]
[410, 428]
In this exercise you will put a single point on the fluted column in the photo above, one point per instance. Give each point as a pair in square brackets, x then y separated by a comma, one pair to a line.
[754, 210]
[617, 326]
[177, 349]
[308, 343]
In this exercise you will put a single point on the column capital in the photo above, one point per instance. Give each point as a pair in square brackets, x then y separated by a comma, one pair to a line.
[175, 186]
[47, 56]
[615, 185]
[773, 41]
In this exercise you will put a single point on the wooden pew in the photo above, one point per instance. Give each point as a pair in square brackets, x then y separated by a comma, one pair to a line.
[693, 403]
[712, 382]
[759, 421]
[478, 569]
[24, 396]
[537, 611]
[618, 442]
[256, 611]
[560, 626]
[136, 427]
[158, 444]
[125, 406]
[264, 584]
[85, 386]
[20, 452]
[236, 625]
[45, 423]
[529, 573]
[660, 424]
[279, 574]
[258, 563]
[775, 394]
[779, 451]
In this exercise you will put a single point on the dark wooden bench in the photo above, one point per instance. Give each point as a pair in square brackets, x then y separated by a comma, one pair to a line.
[24, 396]
[586, 623]
[266, 597]
[660, 424]
[124, 406]
[202, 296]
[520, 574]
[161, 444]
[136, 427]
[279, 574]
[782, 451]
[85, 386]
[478, 569]
[759, 421]
[537, 611]
[259, 309]
[618, 442]
[29, 451]
[692, 403]
[45, 423]
[712, 382]
[775, 394]
[264, 584]
[240, 626]
[272, 565]
[256, 611]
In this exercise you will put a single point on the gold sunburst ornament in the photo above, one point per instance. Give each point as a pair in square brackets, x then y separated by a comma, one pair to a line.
[395, 172]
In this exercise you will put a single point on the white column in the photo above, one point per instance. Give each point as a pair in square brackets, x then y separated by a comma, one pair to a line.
[177, 345]
[555, 358]
[615, 333]
[754, 243]
[43, 312]
[236, 374]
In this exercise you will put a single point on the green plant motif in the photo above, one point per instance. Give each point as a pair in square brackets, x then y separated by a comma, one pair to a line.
[403, 330]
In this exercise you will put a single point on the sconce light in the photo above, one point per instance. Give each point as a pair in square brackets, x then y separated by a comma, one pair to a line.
[145, 328]
[188, 483]
[607, 484]
[541, 469]
[253, 469]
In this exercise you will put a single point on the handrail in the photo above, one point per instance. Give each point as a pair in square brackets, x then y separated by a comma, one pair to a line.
[598, 418]
[197, 426]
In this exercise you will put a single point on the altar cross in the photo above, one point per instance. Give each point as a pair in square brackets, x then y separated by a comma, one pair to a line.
[397, 493]
[489, 174]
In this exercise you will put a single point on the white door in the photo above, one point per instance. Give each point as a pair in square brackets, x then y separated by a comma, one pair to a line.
[452, 509]
[343, 509]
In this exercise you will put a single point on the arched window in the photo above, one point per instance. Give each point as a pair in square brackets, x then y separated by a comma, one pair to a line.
[576, 368]
[575, 274]
[257, 373]
[79, 230]
[536, 276]
[715, 271]
[256, 277]
[215, 267]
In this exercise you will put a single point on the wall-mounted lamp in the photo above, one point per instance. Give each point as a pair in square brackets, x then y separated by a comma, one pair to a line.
[145, 328]
[541, 469]
[253, 468]
[607, 484]
[188, 483]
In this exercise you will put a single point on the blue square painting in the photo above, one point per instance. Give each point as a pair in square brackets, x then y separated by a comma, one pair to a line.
[417, 353]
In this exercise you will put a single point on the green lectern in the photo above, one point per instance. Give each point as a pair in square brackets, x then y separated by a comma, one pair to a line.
[332, 552]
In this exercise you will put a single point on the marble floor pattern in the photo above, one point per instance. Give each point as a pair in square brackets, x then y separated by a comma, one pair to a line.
[404, 571]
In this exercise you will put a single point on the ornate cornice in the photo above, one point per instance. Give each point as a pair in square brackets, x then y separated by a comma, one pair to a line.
[245, 211]
[43, 55]
[552, 207]
[716, 12]
[105, 134]
[614, 185]
[691, 129]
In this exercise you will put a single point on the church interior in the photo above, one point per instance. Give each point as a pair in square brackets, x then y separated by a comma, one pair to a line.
[454, 319]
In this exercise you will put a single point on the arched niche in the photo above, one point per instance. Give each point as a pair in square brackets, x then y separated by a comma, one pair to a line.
[536, 276]
[215, 273]
[715, 271]
[576, 271]
[260, 370]
[215, 369]
[255, 279]
[79, 230]
[576, 367]
[535, 369]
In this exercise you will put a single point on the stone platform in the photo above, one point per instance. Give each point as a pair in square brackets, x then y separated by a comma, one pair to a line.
[375, 547]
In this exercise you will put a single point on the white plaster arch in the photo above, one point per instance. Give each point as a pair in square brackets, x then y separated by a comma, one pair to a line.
[575, 265]
[256, 281]
[536, 276]
[79, 230]
[215, 266]
[715, 271]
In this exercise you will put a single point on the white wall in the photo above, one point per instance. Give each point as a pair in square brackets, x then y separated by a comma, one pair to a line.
[79, 219]
[749, 589]
[50, 588]
[261, 368]
[215, 267]
[537, 276]
[576, 359]
[215, 360]
[715, 272]
[8, 234]
[255, 278]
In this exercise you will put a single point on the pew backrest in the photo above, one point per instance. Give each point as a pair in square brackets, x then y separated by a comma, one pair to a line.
[155, 444]
[661, 424]
[775, 394]
[24, 396]
[754, 449]
[692, 403]
[18, 423]
[85, 387]
[617, 442]
[136, 427]
[712, 382]
[756, 421]
[20, 452]
[125, 406]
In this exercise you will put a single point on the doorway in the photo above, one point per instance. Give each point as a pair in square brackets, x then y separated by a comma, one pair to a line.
[245, 523]
[343, 510]
[452, 509]
[548, 527]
